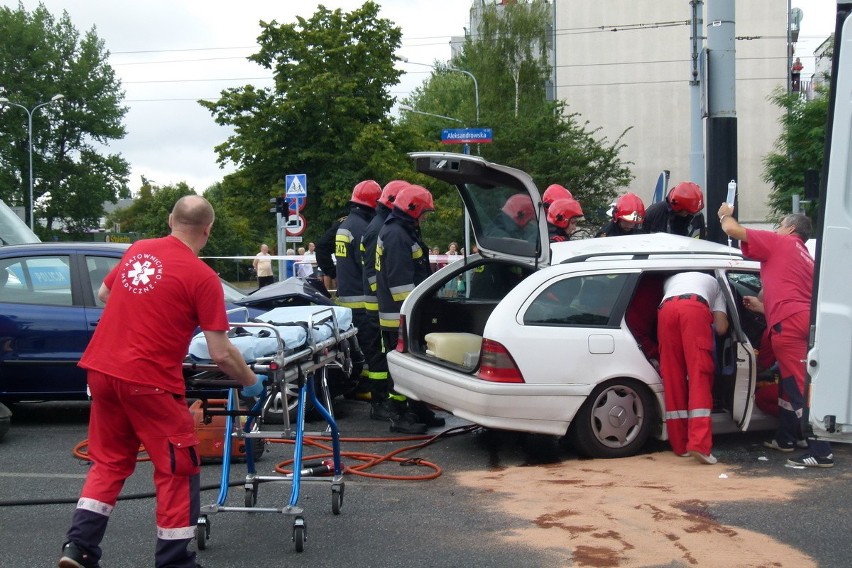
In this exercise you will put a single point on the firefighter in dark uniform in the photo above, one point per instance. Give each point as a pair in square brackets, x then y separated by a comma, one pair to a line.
[514, 218]
[679, 214]
[402, 262]
[562, 218]
[552, 193]
[347, 249]
[627, 216]
[377, 366]
[325, 253]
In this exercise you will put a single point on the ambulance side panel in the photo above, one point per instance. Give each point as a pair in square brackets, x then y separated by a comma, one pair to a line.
[830, 357]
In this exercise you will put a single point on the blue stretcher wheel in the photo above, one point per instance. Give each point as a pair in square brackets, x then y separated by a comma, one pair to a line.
[299, 534]
[202, 532]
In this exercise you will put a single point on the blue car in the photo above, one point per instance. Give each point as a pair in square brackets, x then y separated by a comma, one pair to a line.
[49, 309]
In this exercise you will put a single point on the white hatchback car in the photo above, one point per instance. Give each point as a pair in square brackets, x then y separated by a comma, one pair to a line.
[535, 338]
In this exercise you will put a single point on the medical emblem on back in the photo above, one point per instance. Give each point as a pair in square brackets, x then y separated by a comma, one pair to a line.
[142, 273]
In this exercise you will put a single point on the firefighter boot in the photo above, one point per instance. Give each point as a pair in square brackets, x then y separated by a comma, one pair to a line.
[425, 415]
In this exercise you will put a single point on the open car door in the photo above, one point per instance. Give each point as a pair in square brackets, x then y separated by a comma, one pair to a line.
[737, 359]
[503, 203]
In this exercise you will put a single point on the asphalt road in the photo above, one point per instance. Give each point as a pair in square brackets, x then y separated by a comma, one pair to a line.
[390, 523]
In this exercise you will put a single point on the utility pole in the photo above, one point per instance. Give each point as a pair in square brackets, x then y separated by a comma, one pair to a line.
[722, 119]
[696, 122]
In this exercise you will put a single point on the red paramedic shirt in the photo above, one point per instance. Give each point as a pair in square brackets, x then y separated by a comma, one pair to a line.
[787, 272]
[160, 293]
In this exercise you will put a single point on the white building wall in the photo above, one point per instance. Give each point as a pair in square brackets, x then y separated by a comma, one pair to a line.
[639, 79]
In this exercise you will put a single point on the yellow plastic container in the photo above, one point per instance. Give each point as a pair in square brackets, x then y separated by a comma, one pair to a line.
[458, 348]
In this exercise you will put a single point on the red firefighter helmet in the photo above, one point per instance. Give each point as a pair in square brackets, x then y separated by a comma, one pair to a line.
[414, 200]
[554, 192]
[519, 208]
[391, 190]
[562, 211]
[366, 192]
[686, 196]
[630, 208]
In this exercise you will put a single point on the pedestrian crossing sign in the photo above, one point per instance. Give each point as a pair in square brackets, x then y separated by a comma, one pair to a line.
[296, 185]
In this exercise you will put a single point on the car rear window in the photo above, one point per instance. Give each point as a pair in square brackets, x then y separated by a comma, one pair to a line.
[579, 301]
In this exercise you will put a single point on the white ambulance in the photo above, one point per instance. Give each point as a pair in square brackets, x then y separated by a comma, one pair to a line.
[829, 360]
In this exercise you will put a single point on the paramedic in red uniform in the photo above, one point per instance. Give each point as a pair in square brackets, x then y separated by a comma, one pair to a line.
[692, 307]
[155, 298]
[787, 272]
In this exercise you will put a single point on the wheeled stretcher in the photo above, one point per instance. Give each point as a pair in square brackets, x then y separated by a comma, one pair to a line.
[293, 346]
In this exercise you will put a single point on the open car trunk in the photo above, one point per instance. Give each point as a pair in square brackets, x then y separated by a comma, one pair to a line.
[451, 316]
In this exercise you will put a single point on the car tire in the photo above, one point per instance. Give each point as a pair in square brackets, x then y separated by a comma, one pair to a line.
[287, 401]
[615, 421]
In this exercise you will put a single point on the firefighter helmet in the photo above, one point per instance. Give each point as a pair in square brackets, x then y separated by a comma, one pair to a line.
[391, 190]
[686, 196]
[554, 192]
[519, 208]
[366, 192]
[414, 200]
[562, 211]
[630, 208]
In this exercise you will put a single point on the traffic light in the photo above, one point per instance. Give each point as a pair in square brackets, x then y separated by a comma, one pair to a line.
[280, 205]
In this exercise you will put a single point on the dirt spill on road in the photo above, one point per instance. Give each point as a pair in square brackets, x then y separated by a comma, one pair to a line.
[648, 510]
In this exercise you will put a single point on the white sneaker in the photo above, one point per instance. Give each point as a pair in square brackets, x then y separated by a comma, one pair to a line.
[708, 459]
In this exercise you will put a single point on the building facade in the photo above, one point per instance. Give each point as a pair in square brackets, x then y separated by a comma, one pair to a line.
[627, 65]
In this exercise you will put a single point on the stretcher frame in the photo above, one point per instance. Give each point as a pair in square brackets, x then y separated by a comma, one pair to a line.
[283, 368]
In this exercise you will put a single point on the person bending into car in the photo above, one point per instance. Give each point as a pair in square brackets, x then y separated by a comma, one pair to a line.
[402, 262]
[692, 308]
[787, 272]
[679, 214]
[155, 298]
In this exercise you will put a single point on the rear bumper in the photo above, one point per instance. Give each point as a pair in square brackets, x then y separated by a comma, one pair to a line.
[537, 408]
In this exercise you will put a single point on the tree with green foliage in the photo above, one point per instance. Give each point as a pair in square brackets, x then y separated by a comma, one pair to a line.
[148, 217]
[326, 115]
[799, 148]
[508, 56]
[41, 57]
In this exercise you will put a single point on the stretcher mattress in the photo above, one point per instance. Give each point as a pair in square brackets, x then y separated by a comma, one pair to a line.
[292, 325]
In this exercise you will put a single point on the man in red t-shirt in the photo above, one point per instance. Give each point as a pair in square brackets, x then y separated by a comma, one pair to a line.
[155, 298]
[787, 272]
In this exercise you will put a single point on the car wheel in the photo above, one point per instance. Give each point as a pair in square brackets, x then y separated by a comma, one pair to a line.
[615, 421]
[286, 401]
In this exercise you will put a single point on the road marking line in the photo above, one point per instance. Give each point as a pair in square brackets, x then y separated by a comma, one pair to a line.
[45, 475]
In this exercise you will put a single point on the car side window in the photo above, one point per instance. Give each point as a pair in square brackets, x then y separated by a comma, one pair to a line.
[36, 280]
[98, 267]
[583, 300]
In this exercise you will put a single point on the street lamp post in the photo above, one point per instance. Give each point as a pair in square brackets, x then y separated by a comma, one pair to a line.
[5, 101]
[457, 70]
[407, 108]
[466, 151]
[475, 88]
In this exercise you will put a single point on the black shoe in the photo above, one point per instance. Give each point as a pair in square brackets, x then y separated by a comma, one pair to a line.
[407, 423]
[75, 557]
[385, 410]
[425, 414]
[810, 460]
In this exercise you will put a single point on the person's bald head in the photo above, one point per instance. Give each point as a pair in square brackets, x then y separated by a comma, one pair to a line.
[191, 220]
[192, 211]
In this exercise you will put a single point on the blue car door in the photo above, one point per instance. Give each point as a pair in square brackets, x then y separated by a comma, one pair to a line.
[43, 330]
